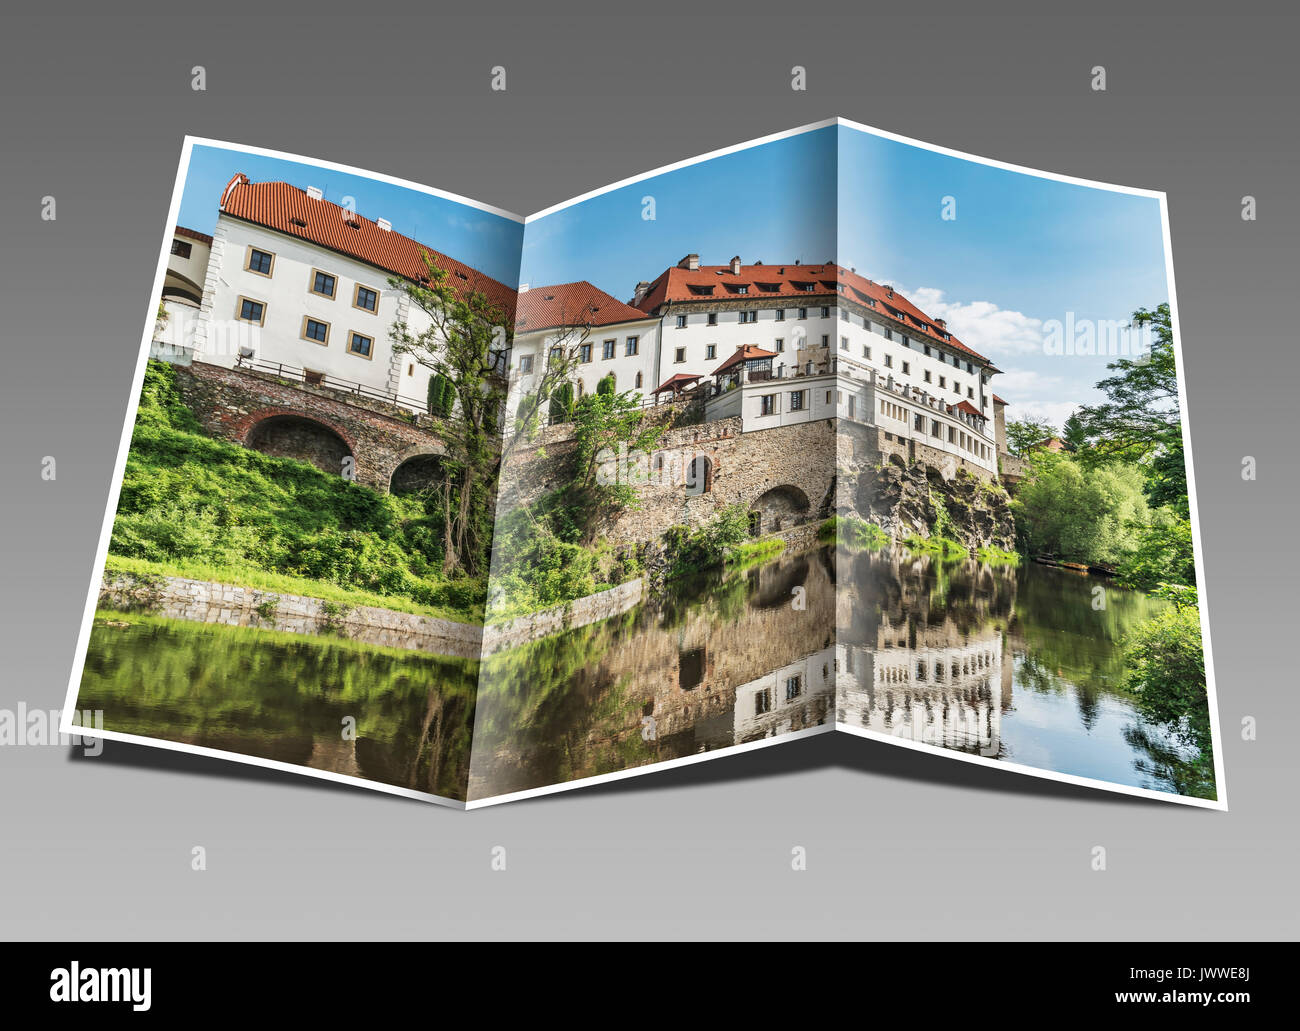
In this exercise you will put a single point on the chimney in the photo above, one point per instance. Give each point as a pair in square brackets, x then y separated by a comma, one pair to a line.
[315, 192]
[735, 265]
[941, 323]
[384, 224]
[641, 289]
[691, 262]
[889, 290]
[523, 288]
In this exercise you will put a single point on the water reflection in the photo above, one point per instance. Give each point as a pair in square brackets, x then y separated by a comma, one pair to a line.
[1012, 664]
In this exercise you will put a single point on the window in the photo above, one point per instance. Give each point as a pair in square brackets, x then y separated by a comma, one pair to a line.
[956, 387]
[826, 312]
[315, 330]
[584, 353]
[779, 315]
[711, 351]
[681, 321]
[828, 397]
[907, 368]
[742, 289]
[607, 348]
[796, 400]
[762, 702]
[252, 311]
[633, 346]
[970, 368]
[866, 351]
[638, 380]
[943, 382]
[366, 299]
[844, 343]
[260, 262]
[970, 392]
[361, 345]
[803, 313]
[713, 318]
[526, 364]
[927, 375]
[323, 283]
[779, 345]
[679, 355]
[853, 406]
[181, 249]
[844, 315]
[793, 688]
[767, 404]
[889, 361]
[826, 340]
[748, 316]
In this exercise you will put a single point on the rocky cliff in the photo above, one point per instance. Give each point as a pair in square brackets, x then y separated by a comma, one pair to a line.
[916, 499]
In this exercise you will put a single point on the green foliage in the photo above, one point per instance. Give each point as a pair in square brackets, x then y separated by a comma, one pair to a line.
[1077, 514]
[1165, 668]
[994, 556]
[191, 500]
[853, 532]
[943, 547]
[1023, 434]
[606, 385]
[442, 395]
[1162, 554]
[689, 551]
[561, 403]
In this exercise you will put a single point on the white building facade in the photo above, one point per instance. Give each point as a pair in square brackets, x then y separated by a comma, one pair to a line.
[298, 285]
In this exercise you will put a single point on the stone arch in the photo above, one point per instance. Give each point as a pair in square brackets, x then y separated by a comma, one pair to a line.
[417, 469]
[779, 508]
[287, 434]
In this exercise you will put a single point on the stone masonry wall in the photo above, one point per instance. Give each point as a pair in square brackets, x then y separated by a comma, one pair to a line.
[233, 403]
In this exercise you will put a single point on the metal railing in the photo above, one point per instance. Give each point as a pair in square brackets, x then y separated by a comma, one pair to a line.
[330, 382]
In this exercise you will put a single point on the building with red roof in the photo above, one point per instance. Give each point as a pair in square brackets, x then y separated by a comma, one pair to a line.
[297, 283]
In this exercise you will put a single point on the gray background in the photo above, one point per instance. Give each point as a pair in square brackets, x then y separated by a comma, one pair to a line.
[899, 844]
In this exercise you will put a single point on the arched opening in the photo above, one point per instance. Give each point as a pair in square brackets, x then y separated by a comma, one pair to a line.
[294, 436]
[417, 474]
[699, 476]
[778, 508]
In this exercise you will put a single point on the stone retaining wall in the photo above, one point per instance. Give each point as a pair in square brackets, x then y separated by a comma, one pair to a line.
[580, 612]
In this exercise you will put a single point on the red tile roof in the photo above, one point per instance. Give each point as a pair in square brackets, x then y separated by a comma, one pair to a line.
[997, 400]
[746, 353]
[192, 234]
[570, 304]
[675, 382]
[287, 209]
[969, 409]
[791, 282]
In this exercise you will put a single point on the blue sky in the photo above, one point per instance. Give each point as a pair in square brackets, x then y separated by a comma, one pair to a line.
[479, 238]
[772, 203]
[1021, 252]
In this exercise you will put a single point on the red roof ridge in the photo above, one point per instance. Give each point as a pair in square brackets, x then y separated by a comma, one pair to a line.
[289, 209]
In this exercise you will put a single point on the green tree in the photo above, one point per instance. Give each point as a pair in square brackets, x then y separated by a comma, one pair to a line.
[1078, 514]
[606, 384]
[1074, 435]
[442, 395]
[1165, 668]
[561, 403]
[1023, 434]
[465, 343]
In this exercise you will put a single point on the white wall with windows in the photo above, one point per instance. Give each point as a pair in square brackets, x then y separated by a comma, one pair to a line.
[697, 339]
[303, 305]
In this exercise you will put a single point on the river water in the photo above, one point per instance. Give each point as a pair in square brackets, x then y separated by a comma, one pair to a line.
[1012, 664]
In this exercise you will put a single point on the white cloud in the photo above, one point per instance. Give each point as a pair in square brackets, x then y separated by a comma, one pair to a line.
[982, 325]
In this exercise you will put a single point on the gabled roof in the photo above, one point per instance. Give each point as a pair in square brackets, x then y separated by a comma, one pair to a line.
[192, 234]
[288, 209]
[572, 304]
[969, 409]
[997, 400]
[748, 352]
[675, 382]
[795, 283]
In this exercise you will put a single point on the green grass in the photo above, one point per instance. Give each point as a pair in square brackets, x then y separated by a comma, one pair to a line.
[853, 532]
[755, 551]
[260, 579]
[994, 556]
[195, 506]
[939, 546]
